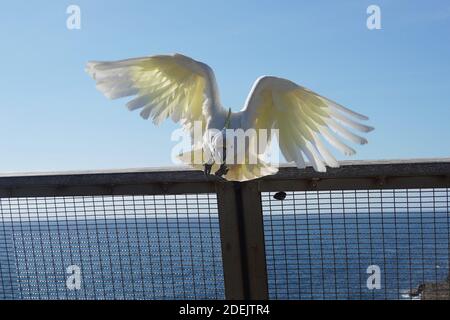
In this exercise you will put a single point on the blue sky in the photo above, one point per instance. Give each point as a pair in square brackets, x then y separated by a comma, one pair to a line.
[52, 118]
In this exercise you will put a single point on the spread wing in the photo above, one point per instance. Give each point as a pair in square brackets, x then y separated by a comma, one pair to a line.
[163, 86]
[304, 119]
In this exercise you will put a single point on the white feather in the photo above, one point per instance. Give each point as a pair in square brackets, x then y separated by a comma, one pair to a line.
[185, 90]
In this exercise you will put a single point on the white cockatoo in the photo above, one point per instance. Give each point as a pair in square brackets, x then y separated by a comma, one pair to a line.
[185, 90]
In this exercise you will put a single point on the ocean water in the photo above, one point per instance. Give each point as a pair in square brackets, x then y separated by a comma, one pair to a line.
[308, 257]
[327, 256]
[164, 258]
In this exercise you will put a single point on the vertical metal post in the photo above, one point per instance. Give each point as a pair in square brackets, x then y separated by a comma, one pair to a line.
[251, 212]
[230, 237]
[242, 236]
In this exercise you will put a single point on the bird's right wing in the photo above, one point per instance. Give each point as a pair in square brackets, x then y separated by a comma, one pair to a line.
[164, 86]
[303, 118]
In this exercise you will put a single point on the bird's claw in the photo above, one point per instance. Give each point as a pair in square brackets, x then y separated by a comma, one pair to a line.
[223, 170]
[207, 170]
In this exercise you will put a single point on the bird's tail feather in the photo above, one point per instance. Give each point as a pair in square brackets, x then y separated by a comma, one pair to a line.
[236, 172]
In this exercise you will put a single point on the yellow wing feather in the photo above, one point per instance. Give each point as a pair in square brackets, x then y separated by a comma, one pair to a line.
[163, 86]
[303, 119]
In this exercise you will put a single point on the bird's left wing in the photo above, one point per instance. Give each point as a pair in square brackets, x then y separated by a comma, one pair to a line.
[303, 119]
[164, 86]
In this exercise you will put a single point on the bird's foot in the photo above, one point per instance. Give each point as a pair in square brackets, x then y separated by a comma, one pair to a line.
[223, 170]
[207, 170]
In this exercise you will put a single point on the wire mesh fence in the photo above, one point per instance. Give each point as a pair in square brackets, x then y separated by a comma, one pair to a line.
[358, 244]
[111, 247]
[362, 231]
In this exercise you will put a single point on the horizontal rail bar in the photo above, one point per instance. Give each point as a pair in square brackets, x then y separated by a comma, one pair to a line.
[426, 173]
[106, 183]
[434, 173]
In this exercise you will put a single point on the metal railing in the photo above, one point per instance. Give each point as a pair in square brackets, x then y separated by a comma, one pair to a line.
[366, 230]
